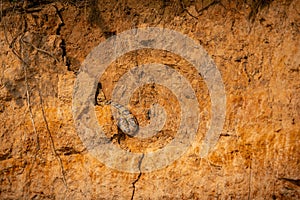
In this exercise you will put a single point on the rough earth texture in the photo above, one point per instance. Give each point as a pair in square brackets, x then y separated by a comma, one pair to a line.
[256, 47]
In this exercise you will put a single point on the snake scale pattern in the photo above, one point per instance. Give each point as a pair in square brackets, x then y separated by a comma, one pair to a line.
[126, 121]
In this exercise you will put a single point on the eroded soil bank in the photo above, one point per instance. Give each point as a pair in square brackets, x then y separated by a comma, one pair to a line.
[255, 46]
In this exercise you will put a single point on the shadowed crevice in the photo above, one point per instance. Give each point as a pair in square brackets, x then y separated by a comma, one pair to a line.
[138, 178]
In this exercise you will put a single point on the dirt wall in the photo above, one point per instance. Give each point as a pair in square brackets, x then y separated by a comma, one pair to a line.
[255, 46]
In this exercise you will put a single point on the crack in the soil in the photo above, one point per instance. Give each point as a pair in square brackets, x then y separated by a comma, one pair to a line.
[65, 58]
[58, 12]
[138, 178]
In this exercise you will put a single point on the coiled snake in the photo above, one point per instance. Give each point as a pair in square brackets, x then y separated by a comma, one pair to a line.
[126, 121]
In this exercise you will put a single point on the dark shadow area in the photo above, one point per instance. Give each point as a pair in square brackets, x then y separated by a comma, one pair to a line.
[95, 18]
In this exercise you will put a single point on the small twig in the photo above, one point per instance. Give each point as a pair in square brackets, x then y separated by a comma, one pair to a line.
[40, 50]
[11, 46]
[18, 9]
[208, 6]
[202, 9]
[185, 9]
[52, 142]
[30, 108]
[25, 65]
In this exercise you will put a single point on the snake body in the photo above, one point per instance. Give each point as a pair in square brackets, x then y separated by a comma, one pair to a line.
[126, 121]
